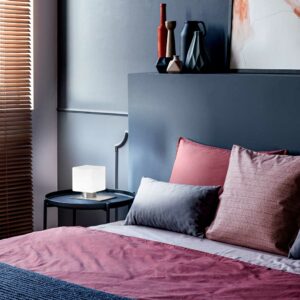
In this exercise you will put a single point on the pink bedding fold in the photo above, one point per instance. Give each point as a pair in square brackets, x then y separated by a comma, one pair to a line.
[143, 269]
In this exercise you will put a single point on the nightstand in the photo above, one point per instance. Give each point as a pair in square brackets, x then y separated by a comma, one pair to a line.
[67, 199]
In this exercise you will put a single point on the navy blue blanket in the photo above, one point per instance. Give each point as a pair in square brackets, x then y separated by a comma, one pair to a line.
[19, 284]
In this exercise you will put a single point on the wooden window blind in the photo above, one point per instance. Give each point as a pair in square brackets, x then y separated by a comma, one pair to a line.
[15, 118]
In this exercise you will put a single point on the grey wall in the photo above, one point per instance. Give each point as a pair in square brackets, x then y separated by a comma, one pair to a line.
[100, 42]
[44, 115]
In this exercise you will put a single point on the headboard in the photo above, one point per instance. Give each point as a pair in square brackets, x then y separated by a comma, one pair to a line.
[258, 111]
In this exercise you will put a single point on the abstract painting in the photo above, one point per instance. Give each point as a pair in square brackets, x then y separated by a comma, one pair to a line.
[265, 35]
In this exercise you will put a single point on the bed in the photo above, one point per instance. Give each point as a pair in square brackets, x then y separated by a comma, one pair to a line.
[146, 263]
[149, 263]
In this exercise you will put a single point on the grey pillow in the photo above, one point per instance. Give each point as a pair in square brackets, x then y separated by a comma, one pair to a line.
[294, 252]
[176, 207]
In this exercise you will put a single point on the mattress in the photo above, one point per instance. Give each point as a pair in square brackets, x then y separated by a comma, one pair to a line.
[251, 256]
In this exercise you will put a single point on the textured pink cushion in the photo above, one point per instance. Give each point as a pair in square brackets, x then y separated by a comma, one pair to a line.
[198, 164]
[260, 204]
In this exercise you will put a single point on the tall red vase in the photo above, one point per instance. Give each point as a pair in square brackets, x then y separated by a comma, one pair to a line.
[162, 32]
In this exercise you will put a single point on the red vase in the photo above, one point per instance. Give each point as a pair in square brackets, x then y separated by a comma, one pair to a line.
[162, 32]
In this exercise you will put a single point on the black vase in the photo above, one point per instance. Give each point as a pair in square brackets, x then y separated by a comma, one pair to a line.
[162, 64]
[187, 34]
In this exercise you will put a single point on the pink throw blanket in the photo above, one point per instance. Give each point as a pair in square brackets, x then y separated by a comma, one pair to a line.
[143, 269]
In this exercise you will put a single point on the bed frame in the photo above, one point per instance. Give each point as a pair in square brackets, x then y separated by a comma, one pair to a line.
[258, 111]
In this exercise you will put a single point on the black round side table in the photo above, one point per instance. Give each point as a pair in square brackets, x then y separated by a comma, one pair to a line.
[67, 199]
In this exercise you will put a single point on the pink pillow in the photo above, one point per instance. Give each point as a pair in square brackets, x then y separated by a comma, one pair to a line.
[198, 164]
[260, 203]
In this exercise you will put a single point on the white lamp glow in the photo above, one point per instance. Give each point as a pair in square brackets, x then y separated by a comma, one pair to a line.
[89, 180]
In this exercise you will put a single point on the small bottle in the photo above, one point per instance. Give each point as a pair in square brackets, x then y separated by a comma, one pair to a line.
[162, 32]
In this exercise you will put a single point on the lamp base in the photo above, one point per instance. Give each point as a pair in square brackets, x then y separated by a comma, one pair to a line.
[94, 197]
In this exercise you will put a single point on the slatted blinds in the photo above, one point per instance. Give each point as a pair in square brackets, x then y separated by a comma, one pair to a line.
[15, 118]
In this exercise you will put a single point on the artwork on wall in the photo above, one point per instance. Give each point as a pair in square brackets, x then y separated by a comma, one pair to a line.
[265, 35]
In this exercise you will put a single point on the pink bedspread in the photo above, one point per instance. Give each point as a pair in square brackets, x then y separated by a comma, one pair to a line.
[143, 269]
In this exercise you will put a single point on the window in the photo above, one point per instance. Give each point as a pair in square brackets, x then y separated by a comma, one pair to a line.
[15, 117]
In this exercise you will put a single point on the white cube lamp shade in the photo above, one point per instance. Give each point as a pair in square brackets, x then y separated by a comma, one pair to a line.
[88, 180]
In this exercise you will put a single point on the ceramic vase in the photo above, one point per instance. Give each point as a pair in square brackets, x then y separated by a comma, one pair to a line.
[197, 59]
[186, 36]
[171, 48]
[175, 65]
[162, 64]
[162, 32]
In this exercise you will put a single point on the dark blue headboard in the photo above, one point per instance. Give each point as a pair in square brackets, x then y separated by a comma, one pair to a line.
[258, 111]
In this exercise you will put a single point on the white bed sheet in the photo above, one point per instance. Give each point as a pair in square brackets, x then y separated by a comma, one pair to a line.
[244, 254]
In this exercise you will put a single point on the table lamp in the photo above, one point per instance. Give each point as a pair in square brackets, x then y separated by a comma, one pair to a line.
[89, 180]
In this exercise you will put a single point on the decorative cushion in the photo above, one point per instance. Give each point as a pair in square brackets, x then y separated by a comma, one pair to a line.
[181, 208]
[199, 164]
[294, 252]
[260, 206]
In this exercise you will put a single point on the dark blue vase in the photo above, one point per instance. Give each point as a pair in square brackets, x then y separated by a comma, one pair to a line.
[197, 59]
[187, 34]
[162, 64]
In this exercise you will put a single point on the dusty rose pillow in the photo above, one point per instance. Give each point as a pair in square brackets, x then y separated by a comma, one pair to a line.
[260, 204]
[198, 164]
